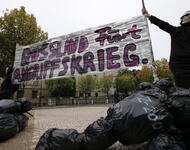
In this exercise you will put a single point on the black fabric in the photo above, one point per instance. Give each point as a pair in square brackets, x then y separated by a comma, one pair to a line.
[180, 50]
[8, 126]
[7, 88]
[60, 139]
[139, 117]
[186, 136]
[181, 72]
[98, 135]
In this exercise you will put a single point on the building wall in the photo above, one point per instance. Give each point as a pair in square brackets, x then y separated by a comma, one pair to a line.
[37, 92]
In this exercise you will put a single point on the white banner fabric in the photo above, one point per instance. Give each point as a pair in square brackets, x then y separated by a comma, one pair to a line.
[110, 47]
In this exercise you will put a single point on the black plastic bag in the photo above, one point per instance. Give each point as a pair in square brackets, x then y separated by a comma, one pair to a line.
[118, 96]
[26, 104]
[140, 116]
[98, 135]
[22, 121]
[9, 106]
[60, 139]
[166, 141]
[179, 106]
[156, 93]
[145, 86]
[8, 126]
[165, 84]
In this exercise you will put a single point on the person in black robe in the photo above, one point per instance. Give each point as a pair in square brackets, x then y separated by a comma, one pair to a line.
[7, 89]
[179, 61]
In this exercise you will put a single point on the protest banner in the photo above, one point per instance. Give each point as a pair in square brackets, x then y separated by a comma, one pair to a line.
[110, 47]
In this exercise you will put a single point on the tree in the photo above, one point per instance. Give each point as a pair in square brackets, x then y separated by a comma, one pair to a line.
[125, 84]
[105, 83]
[86, 85]
[16, 26]
[65, 87]
[163, 70]
[146, 74]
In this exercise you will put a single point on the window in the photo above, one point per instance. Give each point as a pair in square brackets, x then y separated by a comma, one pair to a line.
[34, 94]
[80, 94]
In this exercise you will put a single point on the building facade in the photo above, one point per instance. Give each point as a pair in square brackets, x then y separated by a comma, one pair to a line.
[39, 94]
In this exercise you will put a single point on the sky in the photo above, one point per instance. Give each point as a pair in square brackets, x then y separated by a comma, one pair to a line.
[61, 17]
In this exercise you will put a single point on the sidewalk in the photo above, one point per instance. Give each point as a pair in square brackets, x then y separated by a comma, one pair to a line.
[58, 117]
[77, 117]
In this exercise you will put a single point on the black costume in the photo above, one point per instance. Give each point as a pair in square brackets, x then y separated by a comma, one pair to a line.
[180, 50]
[7, 88]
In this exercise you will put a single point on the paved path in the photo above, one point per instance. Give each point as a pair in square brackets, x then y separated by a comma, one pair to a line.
[60, 117]
[65, 118]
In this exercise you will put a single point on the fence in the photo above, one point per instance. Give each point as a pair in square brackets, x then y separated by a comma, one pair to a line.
[52, 101]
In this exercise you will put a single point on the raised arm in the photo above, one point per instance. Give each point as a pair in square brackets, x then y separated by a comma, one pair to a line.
[160, 23]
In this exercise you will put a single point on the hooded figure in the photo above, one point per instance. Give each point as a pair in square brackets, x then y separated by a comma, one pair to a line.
[185, 18]
[180, 47]
[7, 89]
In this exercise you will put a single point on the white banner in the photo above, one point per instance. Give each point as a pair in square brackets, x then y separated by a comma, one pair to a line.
[110, 47]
